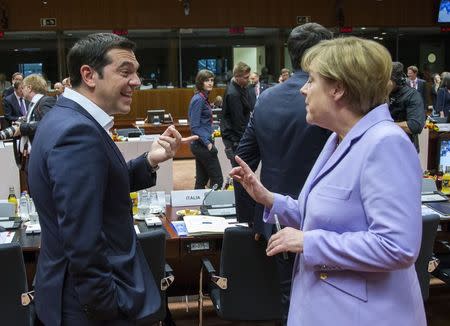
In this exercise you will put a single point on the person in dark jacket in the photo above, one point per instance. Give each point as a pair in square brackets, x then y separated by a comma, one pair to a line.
[406, 105]
[207, 166]
[237, 105]
[443, 97]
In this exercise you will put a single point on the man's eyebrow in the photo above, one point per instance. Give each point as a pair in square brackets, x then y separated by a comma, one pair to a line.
[129, 63]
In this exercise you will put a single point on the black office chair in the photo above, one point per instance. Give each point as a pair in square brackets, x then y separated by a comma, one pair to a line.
[424, 263]
[247, 287]
[153, 244]
[130, 132]
[15, 308]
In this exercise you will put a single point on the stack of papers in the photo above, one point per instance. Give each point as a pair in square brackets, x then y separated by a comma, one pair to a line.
[6, 237]
[202, 224]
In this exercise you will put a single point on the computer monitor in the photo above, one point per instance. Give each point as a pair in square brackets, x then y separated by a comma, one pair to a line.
[216, 115]
[443, 153]
[155, 116]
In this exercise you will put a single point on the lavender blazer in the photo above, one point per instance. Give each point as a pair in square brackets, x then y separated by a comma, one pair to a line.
[361, 216]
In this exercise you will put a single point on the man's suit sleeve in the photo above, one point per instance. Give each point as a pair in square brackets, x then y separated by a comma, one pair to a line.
[9, 111]
[415, 116]
[248, 150]
[78, 173]
[140, 174]
[236, 111]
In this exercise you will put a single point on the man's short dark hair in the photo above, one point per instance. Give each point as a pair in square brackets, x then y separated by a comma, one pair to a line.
[302, 38]
[202, 76]
[397, 75]
[92, 51]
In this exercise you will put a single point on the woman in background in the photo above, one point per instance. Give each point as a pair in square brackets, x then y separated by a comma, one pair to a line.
[443, 97]
[356, 226]
[207, 166]
[434, 90]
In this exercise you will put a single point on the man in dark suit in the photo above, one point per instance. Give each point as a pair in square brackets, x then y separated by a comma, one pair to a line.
[16, 77]
[15, 105]
[287, 146]
[238, 103]
[258, 86]
[91, 268]
[33, 90]
[417, 83]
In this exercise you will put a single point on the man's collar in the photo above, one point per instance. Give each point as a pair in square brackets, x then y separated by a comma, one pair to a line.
[103, 119]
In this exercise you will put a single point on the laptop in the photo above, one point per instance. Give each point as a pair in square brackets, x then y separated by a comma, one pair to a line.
[430, 193]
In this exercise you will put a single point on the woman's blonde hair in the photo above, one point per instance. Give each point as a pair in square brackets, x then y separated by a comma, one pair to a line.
[362, 66]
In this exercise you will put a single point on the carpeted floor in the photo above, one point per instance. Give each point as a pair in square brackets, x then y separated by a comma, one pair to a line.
[183, 174]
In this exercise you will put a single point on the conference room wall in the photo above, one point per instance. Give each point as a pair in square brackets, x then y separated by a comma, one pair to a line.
[132, 14]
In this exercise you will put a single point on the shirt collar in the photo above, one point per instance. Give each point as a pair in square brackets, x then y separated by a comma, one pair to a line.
[103, 119]
[36, 98]
[17, 97]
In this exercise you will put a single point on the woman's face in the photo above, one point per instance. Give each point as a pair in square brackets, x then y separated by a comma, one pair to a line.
[208, 84]
[319, 102]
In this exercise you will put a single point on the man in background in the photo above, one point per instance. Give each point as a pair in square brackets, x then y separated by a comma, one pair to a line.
[279, 137]
[59, 89]
[15, 105]
[417, 83]
[406, 105]
[258, 86]
[34, 90]
[284, 75]
[238, 103]
[16, 77]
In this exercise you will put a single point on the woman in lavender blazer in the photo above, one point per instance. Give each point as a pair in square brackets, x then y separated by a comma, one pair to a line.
[356, 226]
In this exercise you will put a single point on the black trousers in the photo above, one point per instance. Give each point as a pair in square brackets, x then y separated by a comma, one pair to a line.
[207, 166]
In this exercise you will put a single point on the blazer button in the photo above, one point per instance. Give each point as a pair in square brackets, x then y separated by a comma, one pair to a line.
[323, 276]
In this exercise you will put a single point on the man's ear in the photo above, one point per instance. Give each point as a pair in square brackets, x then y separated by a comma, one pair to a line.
[88, 75]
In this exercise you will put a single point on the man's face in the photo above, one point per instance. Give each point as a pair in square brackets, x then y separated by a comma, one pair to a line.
[254, 79]
[243, 79]
[26, 90]
[59, 88]
[19, 91]
[113, 91]
[17, 78]
[285, 76]
[411, 74]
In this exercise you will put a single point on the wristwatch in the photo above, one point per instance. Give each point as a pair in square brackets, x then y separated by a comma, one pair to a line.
[152, 169]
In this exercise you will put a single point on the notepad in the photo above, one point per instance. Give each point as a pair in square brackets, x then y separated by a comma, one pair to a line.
[202, 224]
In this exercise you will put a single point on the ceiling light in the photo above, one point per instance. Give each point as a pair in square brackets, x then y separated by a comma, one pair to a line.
[363, 28]
[384, 33]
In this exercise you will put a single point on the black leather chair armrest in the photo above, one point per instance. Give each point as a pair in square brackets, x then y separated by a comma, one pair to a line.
[218, 281]
[168, 279]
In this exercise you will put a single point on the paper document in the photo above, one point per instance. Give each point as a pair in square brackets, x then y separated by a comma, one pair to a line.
[6, 237]
[202, 224]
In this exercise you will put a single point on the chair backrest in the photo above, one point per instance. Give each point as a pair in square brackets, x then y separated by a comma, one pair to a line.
[153, 244]
[429, 229]
[13, 282]
[253, 291]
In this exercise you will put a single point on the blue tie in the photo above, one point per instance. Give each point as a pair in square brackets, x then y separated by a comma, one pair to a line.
[23, 109]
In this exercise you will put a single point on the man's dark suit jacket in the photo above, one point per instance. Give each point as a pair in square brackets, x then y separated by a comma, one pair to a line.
[8, 91]
[12, 108]
[90, 260]
[238, 102]
[41, 108]
[279, 136]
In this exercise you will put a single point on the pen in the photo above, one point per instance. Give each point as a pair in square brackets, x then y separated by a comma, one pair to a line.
[278, 226]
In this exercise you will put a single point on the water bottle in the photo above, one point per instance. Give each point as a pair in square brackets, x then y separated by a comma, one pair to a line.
[23, 207]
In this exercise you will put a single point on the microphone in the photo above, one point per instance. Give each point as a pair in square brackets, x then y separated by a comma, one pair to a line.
[203, 207]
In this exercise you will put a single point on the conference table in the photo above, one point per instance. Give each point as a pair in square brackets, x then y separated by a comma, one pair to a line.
[184, 261]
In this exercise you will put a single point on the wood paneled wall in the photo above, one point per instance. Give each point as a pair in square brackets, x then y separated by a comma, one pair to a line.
[173, 100]
[148, 14]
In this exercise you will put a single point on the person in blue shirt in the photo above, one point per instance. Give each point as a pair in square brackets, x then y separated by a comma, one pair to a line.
[207, 166]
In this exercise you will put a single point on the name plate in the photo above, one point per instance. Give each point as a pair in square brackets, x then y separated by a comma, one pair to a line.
[187, 197]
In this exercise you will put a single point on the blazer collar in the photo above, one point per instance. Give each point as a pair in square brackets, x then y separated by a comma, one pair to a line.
[332, 154]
